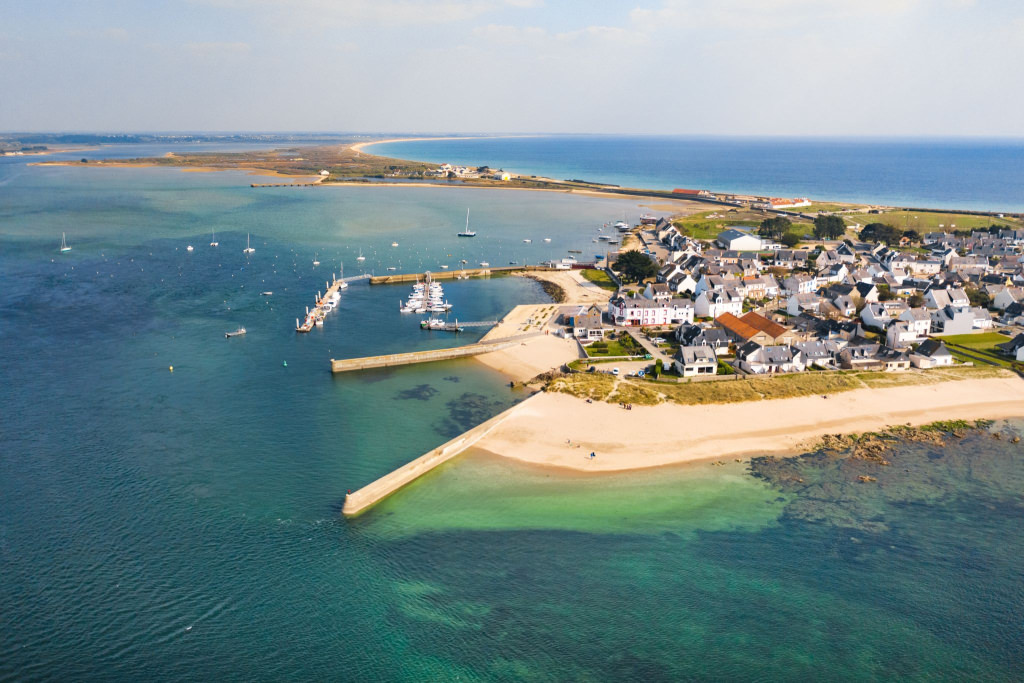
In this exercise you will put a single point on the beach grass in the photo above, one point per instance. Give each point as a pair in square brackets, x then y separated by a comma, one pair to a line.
[647, 392]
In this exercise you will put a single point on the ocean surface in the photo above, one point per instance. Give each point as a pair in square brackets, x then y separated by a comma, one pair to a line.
[978, 175]
[186, 525]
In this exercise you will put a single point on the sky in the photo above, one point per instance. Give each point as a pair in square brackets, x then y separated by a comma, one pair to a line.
[673, 67]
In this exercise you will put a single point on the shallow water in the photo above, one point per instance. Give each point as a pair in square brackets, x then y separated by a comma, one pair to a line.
[187, 524]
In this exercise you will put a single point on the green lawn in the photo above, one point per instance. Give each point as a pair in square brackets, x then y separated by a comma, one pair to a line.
[600, 278]
[611, 348]
[982, 345]
[927, 221]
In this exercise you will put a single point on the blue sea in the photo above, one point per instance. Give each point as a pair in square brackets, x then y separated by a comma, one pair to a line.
[977, 175]
[185, 524]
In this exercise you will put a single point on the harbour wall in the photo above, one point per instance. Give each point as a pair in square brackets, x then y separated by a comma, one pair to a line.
[412, 357]
[374, 492]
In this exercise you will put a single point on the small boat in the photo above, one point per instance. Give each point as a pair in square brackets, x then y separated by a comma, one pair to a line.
[467, 232]
[444, 267]
[63, 244]
[513, 263]
[394, 244]
[484, 264]
[237, 333]
[248, 247]
[575, 251]
[266, 294]
[189, 248]
[604, 238]
[315, 261]
[392, 268]
[528, 241]
[360, 257]
[547, 239]
[213, 239]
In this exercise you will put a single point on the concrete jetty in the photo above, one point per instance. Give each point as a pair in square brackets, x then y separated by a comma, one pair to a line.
[399, 278]
[374, 492]
[412, 357]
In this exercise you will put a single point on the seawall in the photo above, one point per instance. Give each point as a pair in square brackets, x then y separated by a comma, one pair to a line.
[412, 357]
[374, 492]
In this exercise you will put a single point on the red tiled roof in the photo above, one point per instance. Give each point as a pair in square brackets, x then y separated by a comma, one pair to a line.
[759, 322]
[736, 326]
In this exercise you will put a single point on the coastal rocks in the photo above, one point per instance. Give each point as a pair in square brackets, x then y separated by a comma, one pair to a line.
[928, 466]
[420, 392]
[466, 412]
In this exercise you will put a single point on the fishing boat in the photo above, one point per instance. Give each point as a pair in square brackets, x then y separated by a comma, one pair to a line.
[63, 244]
[237, 333]
[467, 232]
[248, 247]
[213, 239]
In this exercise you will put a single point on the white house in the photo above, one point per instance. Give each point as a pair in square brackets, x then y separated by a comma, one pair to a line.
[711, 304]
[762, 360]
[695, 361]
[932, 353]
[1008, 296]
[900, 335]
[646, 312]
[738, 240]
[919, 320]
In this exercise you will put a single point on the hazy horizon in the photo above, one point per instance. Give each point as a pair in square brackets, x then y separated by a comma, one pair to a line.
[747, 68]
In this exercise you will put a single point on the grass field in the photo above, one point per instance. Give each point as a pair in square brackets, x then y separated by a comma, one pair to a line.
[611, 348]
[980, 347]
[603, 387]
[707, 224]
[600, 278]
[927, 221]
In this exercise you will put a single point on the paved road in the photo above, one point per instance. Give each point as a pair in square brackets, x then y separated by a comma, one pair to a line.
[655, 352]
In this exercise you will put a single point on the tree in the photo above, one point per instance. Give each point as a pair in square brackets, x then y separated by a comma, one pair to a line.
[880, 232]
[885, 294]
[659, 367]
[829, 227]
[775, 227]
[790, 239]
[978, 297]
[635, 266]
[916, 300]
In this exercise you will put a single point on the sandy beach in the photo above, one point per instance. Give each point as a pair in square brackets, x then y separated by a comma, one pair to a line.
[561, 431]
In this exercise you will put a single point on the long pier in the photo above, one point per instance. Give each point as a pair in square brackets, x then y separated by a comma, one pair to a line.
[374, 492]
[399, 278]
[413, 357]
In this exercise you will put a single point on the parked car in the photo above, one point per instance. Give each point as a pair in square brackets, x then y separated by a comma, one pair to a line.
[615, 371]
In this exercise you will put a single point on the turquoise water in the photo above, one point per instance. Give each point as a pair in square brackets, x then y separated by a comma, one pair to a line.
[187, 525]
[983, 175]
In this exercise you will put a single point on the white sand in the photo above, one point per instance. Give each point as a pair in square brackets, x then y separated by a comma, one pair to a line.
[537, 430]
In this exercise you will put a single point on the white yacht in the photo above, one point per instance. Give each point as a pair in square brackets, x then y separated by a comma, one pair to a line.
[213, 239]
[467, 232]
[248, 247]
[360, 257]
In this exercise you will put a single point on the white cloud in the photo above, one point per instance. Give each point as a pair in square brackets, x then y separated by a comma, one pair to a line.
[381, 12]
